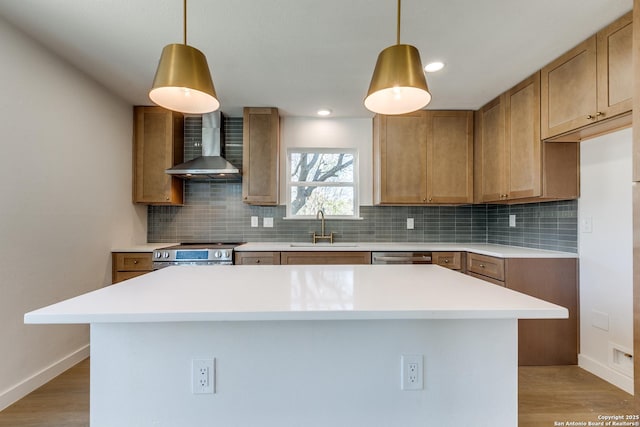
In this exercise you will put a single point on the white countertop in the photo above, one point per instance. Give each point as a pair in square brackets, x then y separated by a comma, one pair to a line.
[288, 292]
[143, 247]
[484, 249]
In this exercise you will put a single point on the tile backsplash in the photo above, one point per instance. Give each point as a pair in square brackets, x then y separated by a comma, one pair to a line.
[214, 211]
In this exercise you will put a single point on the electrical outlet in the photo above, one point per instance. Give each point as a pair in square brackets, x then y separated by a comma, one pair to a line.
[254, 221]
[203, 376]
[411, 372]
[512, 220]
[410, 223]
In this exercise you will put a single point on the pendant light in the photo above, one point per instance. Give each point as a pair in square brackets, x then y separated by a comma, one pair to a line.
[398, 84]
[183, 81]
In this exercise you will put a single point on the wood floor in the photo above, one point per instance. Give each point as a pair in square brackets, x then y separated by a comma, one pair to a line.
[548, 396]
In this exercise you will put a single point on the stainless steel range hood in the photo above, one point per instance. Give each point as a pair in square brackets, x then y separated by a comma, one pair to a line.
[211, 165]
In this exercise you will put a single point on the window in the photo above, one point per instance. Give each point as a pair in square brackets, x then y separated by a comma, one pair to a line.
[324, 179]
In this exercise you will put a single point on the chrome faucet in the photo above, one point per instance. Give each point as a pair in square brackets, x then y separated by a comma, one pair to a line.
[321, 236]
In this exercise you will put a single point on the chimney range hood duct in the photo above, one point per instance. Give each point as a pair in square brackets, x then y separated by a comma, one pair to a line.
[211, 165]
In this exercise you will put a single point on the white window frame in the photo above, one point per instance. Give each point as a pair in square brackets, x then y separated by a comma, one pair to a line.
[354, 185]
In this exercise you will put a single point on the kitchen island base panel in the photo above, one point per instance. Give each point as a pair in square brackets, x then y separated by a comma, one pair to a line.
[311, 373]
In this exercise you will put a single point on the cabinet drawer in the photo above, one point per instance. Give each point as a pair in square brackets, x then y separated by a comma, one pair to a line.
[486, 266]
[452, 260]
[133, 261]
[257, 258]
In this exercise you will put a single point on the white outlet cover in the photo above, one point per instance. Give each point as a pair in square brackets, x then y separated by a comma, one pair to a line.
[203, 376]
[410, 223]
[512, 220]
[254, 221]
[411, 372]
[267, 222]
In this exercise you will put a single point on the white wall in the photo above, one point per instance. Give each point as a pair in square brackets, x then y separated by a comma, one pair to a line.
[65, 186]
[606, 268]
[330, 133]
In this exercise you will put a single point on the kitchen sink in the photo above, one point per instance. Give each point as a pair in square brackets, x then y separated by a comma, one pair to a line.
[324, 245]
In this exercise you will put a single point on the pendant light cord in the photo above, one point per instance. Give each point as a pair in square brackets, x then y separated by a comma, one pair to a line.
[184, 21]
[398, 33]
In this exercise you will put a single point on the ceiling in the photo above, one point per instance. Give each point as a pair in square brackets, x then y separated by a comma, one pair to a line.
[301, 55]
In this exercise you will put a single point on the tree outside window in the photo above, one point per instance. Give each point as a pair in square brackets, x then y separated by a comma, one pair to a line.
[321, 179]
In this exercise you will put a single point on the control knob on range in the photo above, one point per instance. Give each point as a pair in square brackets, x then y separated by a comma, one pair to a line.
[217, 254]
[157, 255]
[165, 255]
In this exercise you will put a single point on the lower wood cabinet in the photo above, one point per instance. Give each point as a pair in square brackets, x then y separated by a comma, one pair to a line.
[540, 341]
[452, 260]
[328, 257]
[126, 265]
[257, 258]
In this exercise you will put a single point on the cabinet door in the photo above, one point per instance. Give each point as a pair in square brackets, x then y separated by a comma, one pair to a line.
[257, 258]
[491, 149]
[615, 68]
[400, 159]
[522, 134]
[569, 90]
[261, 143]
[314, 257]
[158, 145]
[450, 157]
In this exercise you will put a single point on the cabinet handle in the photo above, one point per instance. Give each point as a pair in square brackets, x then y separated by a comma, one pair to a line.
[481, 265]
[135, 261]
[258, 261]
[590, 117]
[446, 261]
[167, 199]
[430, 199]
[599, 113]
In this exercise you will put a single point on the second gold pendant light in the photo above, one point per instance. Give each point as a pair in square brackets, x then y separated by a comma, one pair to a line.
[398, 85]
[183, 81]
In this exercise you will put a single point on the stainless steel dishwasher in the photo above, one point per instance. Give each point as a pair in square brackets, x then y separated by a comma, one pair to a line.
[401, 258]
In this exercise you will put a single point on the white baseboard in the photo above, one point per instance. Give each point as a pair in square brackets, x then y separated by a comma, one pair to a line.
[606, 373]
[42, 377]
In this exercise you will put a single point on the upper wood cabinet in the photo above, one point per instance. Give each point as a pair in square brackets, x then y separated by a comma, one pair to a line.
[423, 157]
[512, 165]
[591, 82]
[261, 147]
[158, 144]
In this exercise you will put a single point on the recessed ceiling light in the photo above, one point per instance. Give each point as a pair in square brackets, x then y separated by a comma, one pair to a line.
[433, 67]
[324, 112]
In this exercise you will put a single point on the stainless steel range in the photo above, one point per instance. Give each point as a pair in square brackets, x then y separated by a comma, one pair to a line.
[194, 254]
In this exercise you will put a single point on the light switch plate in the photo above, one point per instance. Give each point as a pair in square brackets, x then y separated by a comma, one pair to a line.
[254, 221]
[512, 220]
[586, 224]
[410, 224]
[267, 222]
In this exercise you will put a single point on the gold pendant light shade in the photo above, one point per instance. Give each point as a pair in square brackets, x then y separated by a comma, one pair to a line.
[398, 84]
[183, 82]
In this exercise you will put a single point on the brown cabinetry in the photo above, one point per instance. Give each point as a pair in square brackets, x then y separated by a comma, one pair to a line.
[261, 147]
[257, 258]
[590, 83]
[325, 257]
[540, 341]
[125, 265]
[486, 267]
[452, 260]
[423, 157]
[547, 341]
[512, 164]
[158, 144]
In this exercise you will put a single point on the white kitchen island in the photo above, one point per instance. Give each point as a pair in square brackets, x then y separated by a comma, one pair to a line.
[302, 346]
